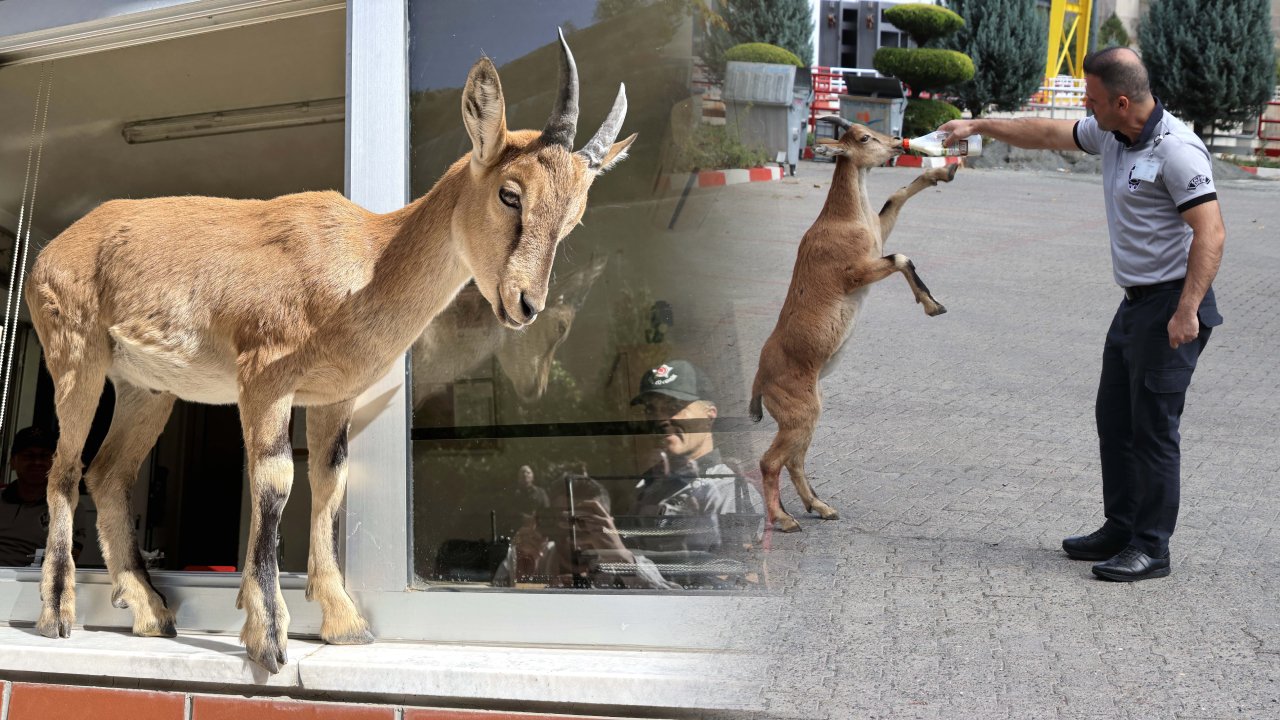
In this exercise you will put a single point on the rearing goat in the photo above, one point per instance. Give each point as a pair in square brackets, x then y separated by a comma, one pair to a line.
[302, 300]
[839, 258]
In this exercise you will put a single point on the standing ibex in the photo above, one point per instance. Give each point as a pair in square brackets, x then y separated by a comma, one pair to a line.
[302, 300]
[838, 259]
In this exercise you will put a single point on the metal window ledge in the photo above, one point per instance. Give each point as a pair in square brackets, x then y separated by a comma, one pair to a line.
[410, 673]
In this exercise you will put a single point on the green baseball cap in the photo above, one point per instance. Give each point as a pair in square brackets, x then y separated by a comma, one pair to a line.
[675, 378]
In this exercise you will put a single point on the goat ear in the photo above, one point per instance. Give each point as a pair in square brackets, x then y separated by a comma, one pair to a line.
[827, 147]
[485, 114]
[617, 153]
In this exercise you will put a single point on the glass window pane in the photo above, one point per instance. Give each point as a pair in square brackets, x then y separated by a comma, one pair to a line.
[189, 505]
[532, 465]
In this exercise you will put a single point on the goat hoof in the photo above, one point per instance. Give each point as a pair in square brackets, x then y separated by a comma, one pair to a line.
[937, 310]
[357, 637]
[56, 623]
[164, 628]
[788, 524]
[825, 511]
[951, 172]
[117, 599]
[54, 628]
[270, 659]
[160, 624]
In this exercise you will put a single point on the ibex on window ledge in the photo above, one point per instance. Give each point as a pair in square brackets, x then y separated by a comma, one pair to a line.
[301, 300]
[839, 258]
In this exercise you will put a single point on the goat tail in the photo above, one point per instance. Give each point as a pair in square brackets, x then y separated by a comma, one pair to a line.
[757, 408]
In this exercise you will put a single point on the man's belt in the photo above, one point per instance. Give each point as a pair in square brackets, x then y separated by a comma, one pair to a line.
[1137, 292]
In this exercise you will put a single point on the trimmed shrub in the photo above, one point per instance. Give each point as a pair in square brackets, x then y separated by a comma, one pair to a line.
[924, 116]
[924, 69]
[762, 53]
[924, 22]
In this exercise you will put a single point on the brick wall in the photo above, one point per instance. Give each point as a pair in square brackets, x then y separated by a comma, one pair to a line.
[37, 701]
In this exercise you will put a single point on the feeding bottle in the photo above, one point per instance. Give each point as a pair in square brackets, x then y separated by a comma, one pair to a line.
[932, 144]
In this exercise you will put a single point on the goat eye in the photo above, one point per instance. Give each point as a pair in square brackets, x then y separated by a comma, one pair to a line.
[865, 138]
[509, 198]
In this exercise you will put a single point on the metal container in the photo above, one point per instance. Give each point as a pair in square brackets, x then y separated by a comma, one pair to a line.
[759, 83]
[878, 103]
[768, 106]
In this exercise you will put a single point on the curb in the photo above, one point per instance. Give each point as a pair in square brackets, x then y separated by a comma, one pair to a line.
[1261, 172]
[717, 178]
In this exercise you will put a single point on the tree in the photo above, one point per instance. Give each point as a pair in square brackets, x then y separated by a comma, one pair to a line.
[1112, 33]
[1210, 60]
[1007, 40]
[924, 68]
[785, 23]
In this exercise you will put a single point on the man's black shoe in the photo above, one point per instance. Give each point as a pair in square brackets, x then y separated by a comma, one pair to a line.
[1132, 564]
[1097, 545]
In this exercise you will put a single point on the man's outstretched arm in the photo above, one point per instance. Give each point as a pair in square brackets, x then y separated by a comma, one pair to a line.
[1030, 133]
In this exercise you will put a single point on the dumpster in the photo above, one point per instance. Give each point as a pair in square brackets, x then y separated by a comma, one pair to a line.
[879, 103]
[768, 105]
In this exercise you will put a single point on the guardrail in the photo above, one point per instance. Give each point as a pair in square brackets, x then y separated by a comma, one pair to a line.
[1063, 93]
[1270, 138]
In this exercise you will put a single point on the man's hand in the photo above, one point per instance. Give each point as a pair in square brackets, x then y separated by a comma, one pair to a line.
[1184, 327]
[957, 130]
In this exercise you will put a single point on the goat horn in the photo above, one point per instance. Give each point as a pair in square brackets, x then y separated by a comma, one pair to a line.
[837, 121]
[563, 123]
[595, 151]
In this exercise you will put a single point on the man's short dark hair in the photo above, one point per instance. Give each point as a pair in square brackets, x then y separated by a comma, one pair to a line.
[1121, 72]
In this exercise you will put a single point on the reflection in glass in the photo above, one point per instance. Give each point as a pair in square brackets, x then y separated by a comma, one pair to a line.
[538, 460]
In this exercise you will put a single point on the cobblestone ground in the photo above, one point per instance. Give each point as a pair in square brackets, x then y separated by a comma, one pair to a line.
[961, 449]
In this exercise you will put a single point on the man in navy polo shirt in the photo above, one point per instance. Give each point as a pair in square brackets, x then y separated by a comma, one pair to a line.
[1166, 244]
[24, 514]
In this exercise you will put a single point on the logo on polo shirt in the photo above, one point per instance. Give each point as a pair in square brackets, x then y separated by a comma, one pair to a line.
[1197, 181]
[1133, 182]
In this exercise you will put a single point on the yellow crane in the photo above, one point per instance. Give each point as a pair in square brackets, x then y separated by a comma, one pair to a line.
[1068, 37]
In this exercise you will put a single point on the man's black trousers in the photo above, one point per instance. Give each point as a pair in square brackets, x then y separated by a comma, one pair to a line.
[1140, 400]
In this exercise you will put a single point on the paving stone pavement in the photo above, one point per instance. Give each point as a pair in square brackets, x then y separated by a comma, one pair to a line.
[961, 449]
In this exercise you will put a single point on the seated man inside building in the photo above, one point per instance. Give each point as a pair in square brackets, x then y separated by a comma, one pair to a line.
[24, 511]
[688, 508]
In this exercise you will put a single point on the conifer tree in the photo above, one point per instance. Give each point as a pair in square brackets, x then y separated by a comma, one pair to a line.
[1112, 32]
[1007, 40]
[785, 23]
[1210, 61]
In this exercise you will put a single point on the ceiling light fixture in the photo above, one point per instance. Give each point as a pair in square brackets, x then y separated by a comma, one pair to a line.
[268, 117]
